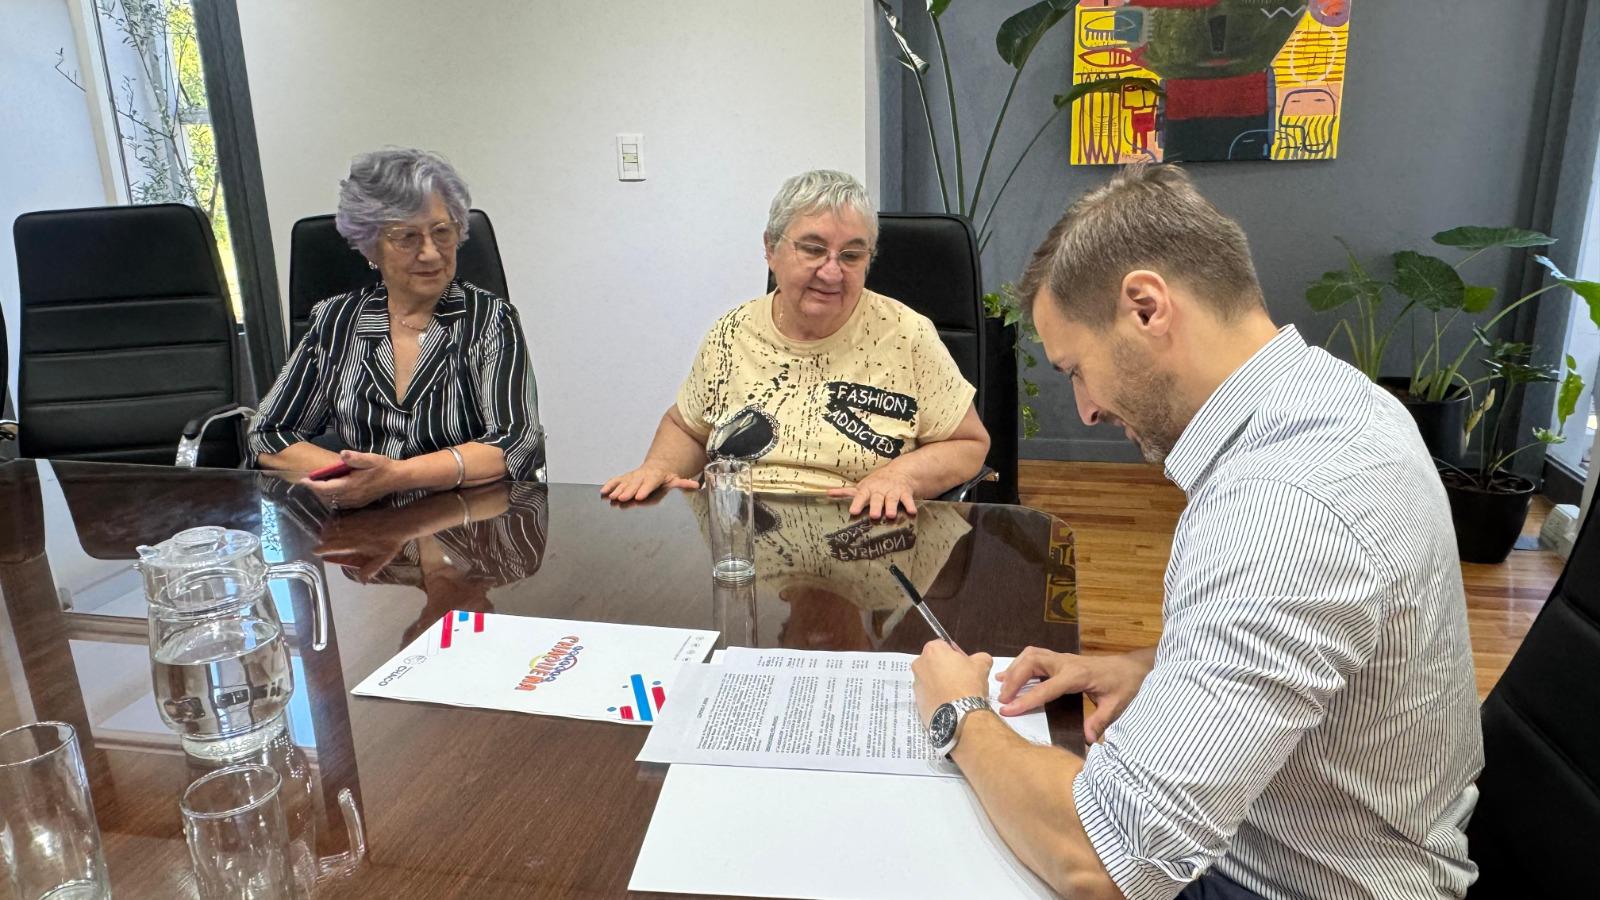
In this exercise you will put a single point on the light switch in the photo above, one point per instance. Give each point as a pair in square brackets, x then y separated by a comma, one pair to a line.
[630, 157]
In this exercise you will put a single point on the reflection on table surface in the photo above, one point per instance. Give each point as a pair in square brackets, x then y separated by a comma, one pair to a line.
[449, 801]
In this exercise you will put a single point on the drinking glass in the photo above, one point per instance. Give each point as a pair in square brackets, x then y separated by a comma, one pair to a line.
[733, 612]
[49, 839]
[730, 490]
[237, 836]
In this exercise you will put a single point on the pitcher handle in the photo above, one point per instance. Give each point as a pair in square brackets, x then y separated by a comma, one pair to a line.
[354, 828]
[312, 577]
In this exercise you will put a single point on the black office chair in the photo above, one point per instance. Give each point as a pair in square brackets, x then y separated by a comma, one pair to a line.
[929, 261]
[322, 264]
[8, 427]
[128, 339]
[1538, 815]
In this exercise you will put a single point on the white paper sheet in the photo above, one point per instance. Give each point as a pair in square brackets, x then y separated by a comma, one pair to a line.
[558, 667]
[824, 835]
[797, 709]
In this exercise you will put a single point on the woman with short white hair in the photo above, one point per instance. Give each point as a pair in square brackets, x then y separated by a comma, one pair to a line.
[825, 385]
[423, 377]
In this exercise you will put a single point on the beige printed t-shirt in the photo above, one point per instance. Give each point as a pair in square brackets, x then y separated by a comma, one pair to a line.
[879, 387]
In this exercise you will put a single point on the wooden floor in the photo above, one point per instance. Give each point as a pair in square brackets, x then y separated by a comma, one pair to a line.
[1122, 516]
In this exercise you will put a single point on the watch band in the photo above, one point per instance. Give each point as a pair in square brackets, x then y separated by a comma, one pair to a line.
[970, 704]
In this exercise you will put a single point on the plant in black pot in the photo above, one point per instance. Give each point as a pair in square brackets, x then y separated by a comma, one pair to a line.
[1489, 502]
[1436, 392]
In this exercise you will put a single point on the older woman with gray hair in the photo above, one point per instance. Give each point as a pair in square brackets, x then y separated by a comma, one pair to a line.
[423, 377]
[825, 385]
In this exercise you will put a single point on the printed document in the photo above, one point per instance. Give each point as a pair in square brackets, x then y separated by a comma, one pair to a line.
[557, 667]
[798, 709]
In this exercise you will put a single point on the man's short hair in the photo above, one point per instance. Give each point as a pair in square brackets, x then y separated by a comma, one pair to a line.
[1145, 217]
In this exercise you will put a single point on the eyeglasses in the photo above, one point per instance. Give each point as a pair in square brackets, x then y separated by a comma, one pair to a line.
[853, 259]
[408, 238]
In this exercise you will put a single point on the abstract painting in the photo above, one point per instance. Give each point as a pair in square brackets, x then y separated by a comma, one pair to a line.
[1238, 79]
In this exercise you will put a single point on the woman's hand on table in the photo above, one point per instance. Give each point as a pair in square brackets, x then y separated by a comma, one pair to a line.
[372, 477]
[881, 495]
[642, 482]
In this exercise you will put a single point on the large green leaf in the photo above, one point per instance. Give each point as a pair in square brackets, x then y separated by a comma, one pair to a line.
[1335, 289]
[1019, 34]
[1588, 290]
[936, 8]
[1476, 298]
[1107, 86]
[908, 57]
[1429, 280]
[1567, 397]
[1476, 237]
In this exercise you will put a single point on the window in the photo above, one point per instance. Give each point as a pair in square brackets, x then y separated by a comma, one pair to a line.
[1583, 345]
[146, 56]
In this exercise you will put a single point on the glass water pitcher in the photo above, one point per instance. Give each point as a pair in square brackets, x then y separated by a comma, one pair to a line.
[220, 661]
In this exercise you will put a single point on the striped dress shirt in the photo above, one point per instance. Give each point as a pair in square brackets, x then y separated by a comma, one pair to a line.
[472, 382]
[1310, 727]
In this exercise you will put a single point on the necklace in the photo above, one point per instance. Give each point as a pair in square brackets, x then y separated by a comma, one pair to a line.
[402, 320]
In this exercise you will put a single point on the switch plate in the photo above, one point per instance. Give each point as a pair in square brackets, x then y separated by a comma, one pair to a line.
[630, 157]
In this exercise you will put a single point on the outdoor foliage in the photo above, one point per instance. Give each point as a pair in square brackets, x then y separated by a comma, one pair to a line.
[161, 113]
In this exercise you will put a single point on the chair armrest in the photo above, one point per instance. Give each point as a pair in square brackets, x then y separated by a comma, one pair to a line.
[8, 429]
[195, 429]
[959, 493]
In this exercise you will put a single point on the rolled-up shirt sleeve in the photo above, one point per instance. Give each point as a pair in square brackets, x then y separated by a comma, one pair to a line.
[508, 398]
[1261, 633]
[298, 406]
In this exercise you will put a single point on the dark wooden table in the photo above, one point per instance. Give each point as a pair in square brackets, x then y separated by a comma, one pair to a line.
[464, 802]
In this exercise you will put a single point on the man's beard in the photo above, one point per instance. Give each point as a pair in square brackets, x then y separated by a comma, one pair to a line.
[1148, 400]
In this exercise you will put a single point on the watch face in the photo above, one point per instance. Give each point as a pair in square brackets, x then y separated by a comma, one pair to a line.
[943, 726]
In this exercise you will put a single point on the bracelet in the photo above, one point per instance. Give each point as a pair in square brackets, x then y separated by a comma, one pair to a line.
[461, 467]
[466, 511]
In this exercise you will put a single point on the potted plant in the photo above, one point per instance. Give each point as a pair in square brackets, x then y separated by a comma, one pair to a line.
[1489, 502]
[1436, 393]
[1016, 39]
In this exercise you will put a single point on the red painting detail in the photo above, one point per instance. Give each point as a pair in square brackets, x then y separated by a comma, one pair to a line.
[1216, 98]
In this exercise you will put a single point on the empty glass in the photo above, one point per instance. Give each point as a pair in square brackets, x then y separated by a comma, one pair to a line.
[238, 839]
[298, 798]
[730, 492]
[49, 839]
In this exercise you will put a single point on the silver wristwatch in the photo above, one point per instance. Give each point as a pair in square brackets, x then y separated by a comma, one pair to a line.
[945, 726]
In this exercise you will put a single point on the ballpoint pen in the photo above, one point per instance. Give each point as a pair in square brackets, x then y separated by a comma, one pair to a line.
[927, 614]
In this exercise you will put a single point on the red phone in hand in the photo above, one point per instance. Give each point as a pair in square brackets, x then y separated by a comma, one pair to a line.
[337, 470]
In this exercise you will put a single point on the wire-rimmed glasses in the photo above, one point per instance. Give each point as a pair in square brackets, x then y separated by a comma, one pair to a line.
[408, 238]
[852, 259]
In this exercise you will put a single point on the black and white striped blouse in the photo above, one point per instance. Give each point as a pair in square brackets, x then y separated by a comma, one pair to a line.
[1310, 727]
[472, 382]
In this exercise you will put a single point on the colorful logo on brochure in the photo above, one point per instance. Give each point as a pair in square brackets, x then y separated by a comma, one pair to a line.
[553, 664]
[641, 710]
[458, 621]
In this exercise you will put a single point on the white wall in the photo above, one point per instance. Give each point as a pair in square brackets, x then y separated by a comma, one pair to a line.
[616, 282]
[47, 156]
